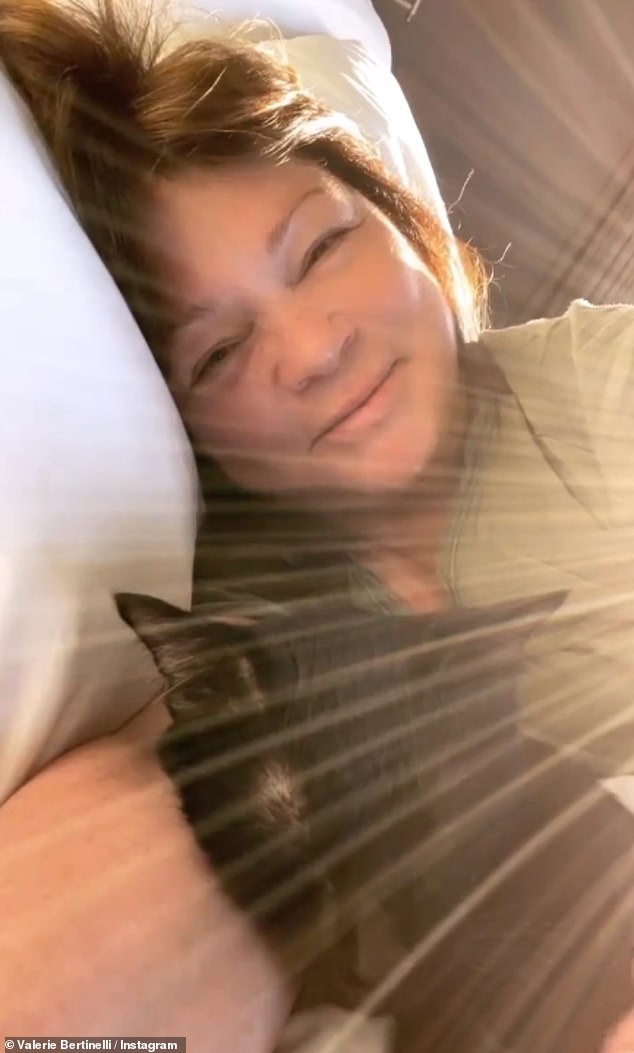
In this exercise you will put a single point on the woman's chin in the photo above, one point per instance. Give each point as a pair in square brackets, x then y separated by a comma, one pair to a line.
[394, 467]
[389, 464]
[381, 479]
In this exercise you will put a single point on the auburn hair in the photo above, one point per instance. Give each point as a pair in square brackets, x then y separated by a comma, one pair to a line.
[121, 100]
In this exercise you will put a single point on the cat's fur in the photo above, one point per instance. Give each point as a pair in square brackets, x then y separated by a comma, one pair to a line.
[345, 770]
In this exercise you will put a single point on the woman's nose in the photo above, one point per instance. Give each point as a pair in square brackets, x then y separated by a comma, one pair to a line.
[311, 348]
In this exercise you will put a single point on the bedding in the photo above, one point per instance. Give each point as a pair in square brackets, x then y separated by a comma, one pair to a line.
[355, 20]
[97, 480]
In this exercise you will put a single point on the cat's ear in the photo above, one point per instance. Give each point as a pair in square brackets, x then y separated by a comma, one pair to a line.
[152, 619]
[178, 640]
[158, 625]
[506, 626]
[487, 661]
[521, 616]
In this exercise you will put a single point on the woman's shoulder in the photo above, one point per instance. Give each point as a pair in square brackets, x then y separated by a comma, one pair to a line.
[584, 330]
[573, 379]
[585, 356]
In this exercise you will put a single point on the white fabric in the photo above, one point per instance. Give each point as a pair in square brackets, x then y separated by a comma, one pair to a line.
[96, 478]
[342, 19]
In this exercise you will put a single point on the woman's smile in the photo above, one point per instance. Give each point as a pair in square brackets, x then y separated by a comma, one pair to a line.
[364, 411]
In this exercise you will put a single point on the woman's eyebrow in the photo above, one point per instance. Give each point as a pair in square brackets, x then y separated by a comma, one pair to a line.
[276, 236]
[193, 312]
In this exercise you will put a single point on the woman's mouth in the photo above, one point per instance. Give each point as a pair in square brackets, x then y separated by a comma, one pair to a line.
[364, 412]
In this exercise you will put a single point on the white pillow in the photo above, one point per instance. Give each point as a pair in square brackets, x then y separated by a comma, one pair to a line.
[96, 477]
[343, 19]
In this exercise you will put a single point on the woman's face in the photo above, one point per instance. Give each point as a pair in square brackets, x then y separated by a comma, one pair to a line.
[314, 352]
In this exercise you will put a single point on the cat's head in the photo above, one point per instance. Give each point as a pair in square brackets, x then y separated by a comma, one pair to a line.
[213, 661]
[209, 658]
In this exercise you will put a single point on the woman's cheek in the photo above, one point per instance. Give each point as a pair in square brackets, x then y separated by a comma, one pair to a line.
[250, 429]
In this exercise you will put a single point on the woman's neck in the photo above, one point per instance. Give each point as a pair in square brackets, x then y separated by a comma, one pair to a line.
[402, 541]
[405, 547]
[405, 542]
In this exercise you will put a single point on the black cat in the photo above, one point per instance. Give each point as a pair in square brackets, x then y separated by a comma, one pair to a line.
[362, 786]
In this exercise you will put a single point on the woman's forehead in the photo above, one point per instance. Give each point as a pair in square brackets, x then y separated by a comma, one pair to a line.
[236, 195]
[215, 233]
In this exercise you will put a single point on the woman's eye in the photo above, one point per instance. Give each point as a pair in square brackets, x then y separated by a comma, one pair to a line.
[322, 247]
[214, 358]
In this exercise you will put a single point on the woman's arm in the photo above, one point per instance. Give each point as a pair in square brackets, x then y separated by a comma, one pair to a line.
[622, 1040]
[111, 922]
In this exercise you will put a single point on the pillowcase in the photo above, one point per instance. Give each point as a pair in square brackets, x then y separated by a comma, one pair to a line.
[97, 480]
[342, 19]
